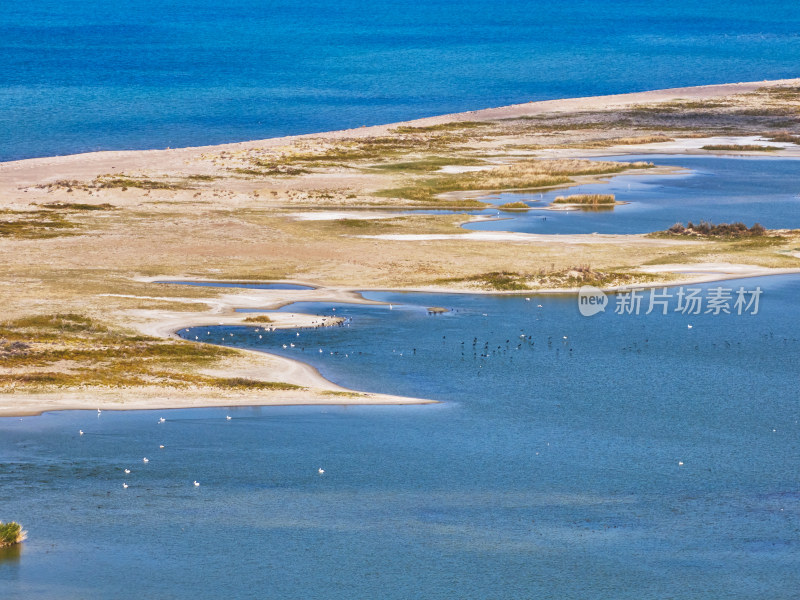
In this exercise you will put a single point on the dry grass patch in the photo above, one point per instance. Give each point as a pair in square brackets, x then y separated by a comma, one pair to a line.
[73, 351]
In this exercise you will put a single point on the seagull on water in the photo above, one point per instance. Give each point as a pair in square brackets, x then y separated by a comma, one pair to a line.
[80, 431]
[125, 485]
[161, 447]
[227, 417]
[196, 484]
[321, 471]
[161, 420]
[145, 460]
[127, 471]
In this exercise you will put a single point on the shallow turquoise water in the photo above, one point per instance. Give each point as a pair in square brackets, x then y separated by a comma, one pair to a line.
[716, 189]
[551, 469]
[81, 75]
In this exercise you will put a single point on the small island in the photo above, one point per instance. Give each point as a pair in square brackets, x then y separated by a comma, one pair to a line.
[587, 201]
[11, 534]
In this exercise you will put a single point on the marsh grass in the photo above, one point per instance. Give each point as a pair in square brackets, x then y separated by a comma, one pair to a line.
[706, 229]
[576, 276]
[258, 319]
[783, 136]
[625, 141]
[71, 350]
[514, 206]
[11, 533]
[586, 199]
[740, 147]
[124, 182]
[427, 165]
[77, 206]
[529, 174]
[35, 224]
[451, 126]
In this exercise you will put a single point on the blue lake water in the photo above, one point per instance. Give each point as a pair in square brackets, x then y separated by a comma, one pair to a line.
[81, 75]
[551, 470]
[716, 189]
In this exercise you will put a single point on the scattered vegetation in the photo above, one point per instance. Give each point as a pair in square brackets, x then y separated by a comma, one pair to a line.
[11, 533]
[124, 182]
[527, 174]
[740, 147]
[548, 279]
[258, 319]
[77, 206]
[589, 199]
[429, 164]
[70, 350]
[514, 206]
[626, 141]
[722, 230]
[783, 136]
[451, 126]
[33, 224]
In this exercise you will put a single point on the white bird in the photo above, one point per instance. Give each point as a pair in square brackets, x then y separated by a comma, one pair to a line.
[161, 447]
[320, 350]
[298, 335]
[196, 484]
[292, 345]
[527, 299]
[127, 471]
[228, 418]
[321, 471]
[680, 463]
[261, 336]
[125, 485]
[80, 431]
[689, 326]
[161, 420]
[99, 411]
[145, 460]
[284, 345]
[538, 306]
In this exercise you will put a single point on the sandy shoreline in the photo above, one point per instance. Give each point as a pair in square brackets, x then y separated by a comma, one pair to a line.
[327, 228]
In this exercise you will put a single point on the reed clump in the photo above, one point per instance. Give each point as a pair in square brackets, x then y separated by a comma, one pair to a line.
[588, 199]
[258, 319]
[11, 533]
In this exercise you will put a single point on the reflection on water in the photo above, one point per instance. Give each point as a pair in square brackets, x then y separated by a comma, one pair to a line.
[717, 189]
[10, 555]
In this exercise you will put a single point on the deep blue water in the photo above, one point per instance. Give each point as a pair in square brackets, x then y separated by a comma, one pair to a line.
[82, 75]
[716, 189]
[551, 470]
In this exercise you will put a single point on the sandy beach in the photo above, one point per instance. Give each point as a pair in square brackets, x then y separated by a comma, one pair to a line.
[91, 234]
